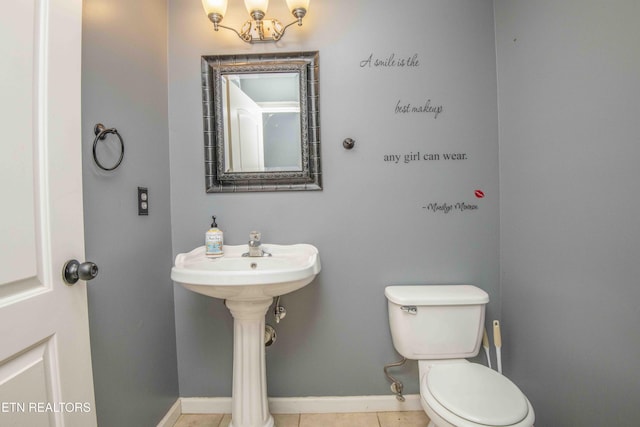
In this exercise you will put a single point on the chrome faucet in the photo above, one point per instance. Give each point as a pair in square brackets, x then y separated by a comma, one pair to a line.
[255, 246]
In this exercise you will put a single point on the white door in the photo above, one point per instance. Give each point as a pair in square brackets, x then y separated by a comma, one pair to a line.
[245, 123]
[45, 363]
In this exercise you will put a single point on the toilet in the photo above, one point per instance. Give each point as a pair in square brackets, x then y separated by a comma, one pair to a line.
[440, 326]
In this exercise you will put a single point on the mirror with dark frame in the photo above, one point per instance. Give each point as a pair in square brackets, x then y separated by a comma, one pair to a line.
[261, 124]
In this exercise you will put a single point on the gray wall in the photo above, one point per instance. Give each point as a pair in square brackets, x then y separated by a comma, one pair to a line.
[124, 85]
[568, 91]
[369, 222]
[569, 95]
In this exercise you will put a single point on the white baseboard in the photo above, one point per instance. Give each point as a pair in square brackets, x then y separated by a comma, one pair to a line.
[172, 416]
[308, 405]
[336, 404]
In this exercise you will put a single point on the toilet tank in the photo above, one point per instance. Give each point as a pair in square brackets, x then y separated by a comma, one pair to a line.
[436, 321]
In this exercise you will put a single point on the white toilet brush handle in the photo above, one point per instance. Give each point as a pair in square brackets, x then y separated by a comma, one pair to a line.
[485, 345]
[497, 341]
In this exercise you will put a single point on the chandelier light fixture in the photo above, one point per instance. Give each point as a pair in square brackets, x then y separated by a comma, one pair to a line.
[258, 28]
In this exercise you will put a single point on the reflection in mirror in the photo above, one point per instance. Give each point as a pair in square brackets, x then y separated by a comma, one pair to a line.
[261, 122]
[262, 113]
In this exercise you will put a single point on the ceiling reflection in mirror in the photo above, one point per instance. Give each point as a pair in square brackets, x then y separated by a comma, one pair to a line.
[261, 122]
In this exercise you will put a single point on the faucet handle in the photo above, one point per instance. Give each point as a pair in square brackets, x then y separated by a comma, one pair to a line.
[255, 235]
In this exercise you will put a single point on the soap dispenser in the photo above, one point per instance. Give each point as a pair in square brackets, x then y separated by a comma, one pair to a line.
[214, 241]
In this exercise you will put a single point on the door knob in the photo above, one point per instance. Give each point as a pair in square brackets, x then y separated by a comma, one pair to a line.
[74, 271]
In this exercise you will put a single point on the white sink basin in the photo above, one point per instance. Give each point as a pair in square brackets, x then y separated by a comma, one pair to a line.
[234, 277]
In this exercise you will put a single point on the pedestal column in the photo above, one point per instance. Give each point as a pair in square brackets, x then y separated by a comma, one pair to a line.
[249, 397]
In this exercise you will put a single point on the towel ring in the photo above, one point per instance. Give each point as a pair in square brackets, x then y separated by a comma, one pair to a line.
[101, 133]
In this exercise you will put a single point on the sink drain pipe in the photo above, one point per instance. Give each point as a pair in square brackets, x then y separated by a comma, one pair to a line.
[269, 335]
[269, 331]
[396, 385]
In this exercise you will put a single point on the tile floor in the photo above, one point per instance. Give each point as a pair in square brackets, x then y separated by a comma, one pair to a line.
[362, 419]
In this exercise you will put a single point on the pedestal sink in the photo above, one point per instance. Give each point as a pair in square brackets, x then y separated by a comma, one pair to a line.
[248, 284]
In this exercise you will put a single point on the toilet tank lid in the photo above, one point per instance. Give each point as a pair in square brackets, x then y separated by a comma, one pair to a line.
[436, 295]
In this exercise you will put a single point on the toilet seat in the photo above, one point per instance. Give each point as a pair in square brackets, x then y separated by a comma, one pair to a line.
[469, 394]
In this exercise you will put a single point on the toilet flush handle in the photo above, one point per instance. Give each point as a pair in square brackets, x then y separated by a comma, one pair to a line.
[410, 309]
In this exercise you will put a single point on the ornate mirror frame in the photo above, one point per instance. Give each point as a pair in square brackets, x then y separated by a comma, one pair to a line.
[216, 178]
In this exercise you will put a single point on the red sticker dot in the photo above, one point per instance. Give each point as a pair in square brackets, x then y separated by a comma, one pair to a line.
[479, 194]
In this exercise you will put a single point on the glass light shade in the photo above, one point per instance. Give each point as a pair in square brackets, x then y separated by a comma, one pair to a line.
[215, 6]
[298, 4]
[260, 5]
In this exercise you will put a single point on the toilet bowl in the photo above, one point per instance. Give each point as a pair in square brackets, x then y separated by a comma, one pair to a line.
[462, 394]
[440, 326]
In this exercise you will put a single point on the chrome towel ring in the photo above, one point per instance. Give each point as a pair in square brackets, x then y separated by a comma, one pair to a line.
[101, 133]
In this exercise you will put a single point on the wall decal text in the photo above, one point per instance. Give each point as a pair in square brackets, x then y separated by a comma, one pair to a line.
[418, 157]
[445, 208]
[391, 61]
[426, 107]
